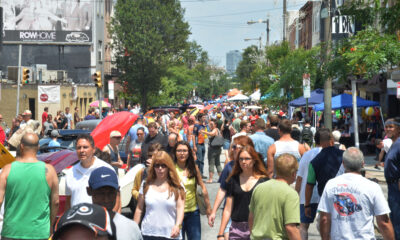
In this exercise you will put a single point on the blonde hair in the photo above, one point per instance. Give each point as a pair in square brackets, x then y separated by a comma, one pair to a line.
[285, 165]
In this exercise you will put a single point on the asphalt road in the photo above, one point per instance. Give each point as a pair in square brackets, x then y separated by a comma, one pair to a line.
[212, 232]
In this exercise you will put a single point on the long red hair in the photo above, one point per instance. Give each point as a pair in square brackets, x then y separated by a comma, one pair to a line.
[258, 166]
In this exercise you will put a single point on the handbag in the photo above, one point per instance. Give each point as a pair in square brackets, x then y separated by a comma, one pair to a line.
[201, 203]
[218, 141]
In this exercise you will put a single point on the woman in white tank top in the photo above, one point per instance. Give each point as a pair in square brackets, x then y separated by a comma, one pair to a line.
[163, 199]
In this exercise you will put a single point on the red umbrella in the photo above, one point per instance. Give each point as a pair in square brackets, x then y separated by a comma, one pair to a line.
[121, 121]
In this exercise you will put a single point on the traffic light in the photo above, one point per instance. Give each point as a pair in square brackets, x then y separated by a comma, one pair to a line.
[97, 79]
[26, 76]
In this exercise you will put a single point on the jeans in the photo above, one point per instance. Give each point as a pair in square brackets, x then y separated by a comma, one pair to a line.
[154, 238]
[394, 205]
[213, 159]
[201, 151]
[191, 225]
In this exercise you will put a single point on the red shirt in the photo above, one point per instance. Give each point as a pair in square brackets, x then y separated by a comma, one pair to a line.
[44, 117]
[253, 119]
[2, 136]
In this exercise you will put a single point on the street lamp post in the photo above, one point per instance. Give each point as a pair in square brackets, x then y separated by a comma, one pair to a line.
[267, 29]
[255, 39]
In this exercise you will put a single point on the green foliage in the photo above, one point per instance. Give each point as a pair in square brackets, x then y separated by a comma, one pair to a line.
[148, 36]
[369, 12]
[371, 52]
[251, 57]
[294, 65]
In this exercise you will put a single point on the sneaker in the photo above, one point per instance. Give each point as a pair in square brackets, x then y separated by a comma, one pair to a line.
[204, 177]
[376, 167]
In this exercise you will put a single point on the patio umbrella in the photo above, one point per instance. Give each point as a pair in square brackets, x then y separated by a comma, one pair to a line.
[253, 107]
[103, 104]
[239, 97]
[121, 121]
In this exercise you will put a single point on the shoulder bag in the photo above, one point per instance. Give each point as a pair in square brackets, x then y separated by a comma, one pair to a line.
[218, 141]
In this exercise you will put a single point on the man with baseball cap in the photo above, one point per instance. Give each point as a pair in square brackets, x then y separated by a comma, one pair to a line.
[103, 188]
[113, 150]
[26, 116]
[54, 143]
[85, 221]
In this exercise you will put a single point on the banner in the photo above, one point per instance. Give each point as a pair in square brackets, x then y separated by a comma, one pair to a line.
[111, 90]
[306, 85]
[49, 94]
[74, 92]
[398, 90]
[68, 21]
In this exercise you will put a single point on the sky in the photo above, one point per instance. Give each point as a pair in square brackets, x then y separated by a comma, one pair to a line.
[220, 26]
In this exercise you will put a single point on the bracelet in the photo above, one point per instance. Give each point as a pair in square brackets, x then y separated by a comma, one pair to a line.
[307, 206]
[218, 236]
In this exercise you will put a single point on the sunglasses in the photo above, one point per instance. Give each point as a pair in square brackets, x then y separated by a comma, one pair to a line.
[237, 146]
[157, 166]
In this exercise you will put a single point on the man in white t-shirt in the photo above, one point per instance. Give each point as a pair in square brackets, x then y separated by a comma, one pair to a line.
[76, 180]
[350, 202]
[300, 187]
[68, 116]
[103, 188]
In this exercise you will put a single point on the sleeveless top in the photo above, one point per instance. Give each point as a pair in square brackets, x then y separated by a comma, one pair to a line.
[27, 202]
[113, 157]
[190, 190]
[291, 147]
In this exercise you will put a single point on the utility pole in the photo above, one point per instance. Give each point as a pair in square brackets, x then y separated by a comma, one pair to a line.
[328, 80]
[267, 43]
[284, 20]
[19, 76]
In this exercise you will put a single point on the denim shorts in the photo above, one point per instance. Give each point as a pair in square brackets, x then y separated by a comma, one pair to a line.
[227, 144]
[304, 218]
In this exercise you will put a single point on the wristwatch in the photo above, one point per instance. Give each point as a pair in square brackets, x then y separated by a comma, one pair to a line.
[218, 236]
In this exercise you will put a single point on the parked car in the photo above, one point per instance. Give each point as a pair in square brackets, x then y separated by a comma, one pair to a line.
[67, 140]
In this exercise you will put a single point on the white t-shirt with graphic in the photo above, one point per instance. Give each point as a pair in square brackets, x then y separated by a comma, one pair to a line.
[352, 201]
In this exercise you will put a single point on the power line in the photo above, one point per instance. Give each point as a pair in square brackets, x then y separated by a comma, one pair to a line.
[246, 12]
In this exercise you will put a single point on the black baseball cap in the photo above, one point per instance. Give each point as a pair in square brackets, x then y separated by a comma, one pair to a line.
[91, 216]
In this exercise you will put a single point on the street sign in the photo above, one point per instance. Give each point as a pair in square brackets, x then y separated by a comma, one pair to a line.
[306, 85]
[398, 90]
[111, 89]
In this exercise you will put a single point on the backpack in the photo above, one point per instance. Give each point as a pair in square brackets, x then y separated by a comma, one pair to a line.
[307, 136]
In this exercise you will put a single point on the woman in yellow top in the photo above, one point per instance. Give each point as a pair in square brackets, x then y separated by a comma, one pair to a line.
[190, 176]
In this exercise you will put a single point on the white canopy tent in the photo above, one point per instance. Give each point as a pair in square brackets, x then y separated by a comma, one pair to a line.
[256, 95]
[239, 97]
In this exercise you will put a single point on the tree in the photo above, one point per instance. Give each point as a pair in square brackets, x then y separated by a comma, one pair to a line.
[251, 57]
[370, 52]
[148, 37]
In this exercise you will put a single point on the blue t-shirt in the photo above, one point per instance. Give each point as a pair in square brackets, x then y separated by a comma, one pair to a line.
[392, 162]
[261, 143]
[225, 174]
[54, 143]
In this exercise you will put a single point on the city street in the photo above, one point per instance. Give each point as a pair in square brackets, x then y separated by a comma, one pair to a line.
[211, 233]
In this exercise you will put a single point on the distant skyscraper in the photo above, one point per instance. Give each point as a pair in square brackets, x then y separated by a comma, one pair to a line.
[233, 59]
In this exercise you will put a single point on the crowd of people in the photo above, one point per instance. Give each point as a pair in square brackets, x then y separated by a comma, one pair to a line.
[278, 177]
